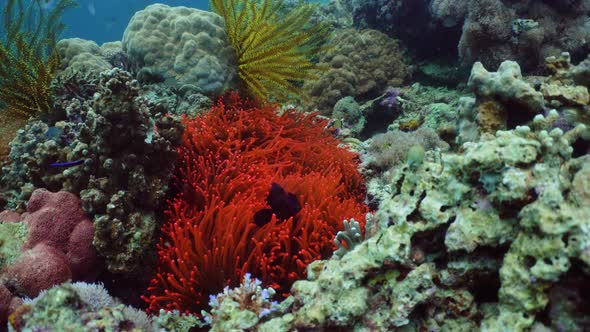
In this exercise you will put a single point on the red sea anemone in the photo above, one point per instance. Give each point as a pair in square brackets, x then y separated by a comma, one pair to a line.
[229, 159]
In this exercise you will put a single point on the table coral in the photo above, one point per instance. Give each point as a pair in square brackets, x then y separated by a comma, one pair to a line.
[229, 159]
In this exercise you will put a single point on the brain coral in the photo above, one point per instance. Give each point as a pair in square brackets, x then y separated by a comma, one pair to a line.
[361, 64]
[183, 45]
[229, 159]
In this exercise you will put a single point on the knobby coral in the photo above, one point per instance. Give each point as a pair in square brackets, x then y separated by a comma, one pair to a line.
[28, 58]
[273, 51]
[229, 159]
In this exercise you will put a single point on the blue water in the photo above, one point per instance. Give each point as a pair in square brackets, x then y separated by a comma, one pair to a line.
[106, 20]
[111, 17]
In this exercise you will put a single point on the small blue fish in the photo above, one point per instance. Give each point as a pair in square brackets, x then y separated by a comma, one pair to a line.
[66, 163]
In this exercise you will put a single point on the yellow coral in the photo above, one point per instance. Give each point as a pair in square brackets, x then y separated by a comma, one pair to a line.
[274, 53]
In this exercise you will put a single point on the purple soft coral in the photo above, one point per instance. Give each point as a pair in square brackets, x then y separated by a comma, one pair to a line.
[389, 100]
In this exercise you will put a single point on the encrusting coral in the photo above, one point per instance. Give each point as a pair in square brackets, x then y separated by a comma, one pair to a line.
[230, 158]
[273, 51]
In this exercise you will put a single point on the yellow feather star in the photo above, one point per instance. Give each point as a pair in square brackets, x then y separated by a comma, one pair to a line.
[28, 59]
[274, 51]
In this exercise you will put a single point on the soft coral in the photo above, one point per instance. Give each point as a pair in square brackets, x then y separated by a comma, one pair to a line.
[229, 159]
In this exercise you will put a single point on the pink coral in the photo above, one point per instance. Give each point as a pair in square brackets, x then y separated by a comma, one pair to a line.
[5, 299]
[38, 269]
[58, 246]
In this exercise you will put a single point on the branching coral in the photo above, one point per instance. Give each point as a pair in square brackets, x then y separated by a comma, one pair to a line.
[274, 53]
[28, 59]
[229, 159]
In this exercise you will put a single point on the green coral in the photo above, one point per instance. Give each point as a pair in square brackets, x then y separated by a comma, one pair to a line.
[78, 307]
[12, 237]
[174, 321]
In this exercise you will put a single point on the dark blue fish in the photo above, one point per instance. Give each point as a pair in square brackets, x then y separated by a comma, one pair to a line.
[282, 204]
[67, 163]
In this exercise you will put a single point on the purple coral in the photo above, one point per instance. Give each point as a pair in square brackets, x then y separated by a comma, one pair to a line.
[390, 100]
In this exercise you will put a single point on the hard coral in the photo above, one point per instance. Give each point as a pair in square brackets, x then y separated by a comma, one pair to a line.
[361, 64]
[229, 159]
[58, 244]
[125, 146]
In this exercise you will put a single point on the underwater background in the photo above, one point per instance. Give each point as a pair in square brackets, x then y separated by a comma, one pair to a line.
[292, 165]
[104, 21]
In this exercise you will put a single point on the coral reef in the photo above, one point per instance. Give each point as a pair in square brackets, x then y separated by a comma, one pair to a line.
[78, 307]
[107, 154]
[361, 64]
[460, 202]
[85, 58]
[496, 30]
[182, 45]
[505, 99]
[49, 244]
[450, 254]
[230, 159]
[273, 47]
[246, 304]
[489, 31]
[412, 22]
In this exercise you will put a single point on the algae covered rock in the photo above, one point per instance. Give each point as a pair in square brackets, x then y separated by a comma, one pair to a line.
[183, 46]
